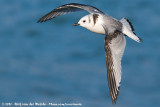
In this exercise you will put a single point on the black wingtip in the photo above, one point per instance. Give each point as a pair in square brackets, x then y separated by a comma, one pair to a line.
[39, 21]
[114, 102]
[141, 40]
[42, 20]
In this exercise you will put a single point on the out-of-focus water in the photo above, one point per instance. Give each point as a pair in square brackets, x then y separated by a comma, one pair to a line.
[55, 62]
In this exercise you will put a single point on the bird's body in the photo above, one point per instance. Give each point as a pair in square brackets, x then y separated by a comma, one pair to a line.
[115, 42]
[96, 22]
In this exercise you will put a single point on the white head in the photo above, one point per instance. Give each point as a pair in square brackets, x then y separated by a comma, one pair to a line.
[85, 22]
[91, 23]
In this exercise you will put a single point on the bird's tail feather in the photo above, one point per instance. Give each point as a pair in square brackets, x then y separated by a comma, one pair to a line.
[128, 30]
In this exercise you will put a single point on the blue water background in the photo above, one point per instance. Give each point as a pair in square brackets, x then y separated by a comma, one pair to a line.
[55, 62]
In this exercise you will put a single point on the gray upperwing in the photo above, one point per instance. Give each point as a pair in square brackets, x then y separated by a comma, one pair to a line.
[69, 8]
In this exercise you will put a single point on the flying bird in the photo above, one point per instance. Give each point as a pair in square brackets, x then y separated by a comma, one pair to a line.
[114, 31]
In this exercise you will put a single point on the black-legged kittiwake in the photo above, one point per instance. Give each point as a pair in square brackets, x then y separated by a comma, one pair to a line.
[114, 31]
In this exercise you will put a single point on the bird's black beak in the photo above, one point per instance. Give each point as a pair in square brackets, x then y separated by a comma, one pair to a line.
[76, 24]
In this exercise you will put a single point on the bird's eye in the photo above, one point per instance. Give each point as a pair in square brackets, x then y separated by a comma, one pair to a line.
[84, 21]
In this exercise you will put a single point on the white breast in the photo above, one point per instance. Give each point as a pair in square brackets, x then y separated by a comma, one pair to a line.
[97, 28]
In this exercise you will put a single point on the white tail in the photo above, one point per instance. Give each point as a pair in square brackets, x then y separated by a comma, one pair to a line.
[128, 30]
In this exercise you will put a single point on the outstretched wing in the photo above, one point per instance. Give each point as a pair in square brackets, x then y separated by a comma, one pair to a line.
[114, 47]
[69, 8]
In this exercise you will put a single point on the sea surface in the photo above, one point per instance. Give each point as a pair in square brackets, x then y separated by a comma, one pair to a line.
[54, 62]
